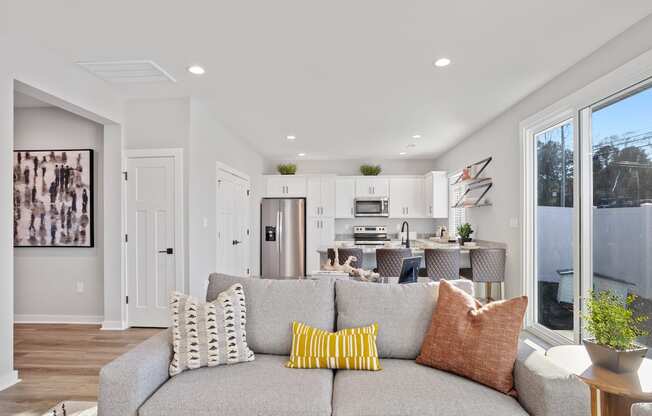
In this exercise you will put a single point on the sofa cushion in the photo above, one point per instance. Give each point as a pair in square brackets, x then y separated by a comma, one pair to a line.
[402, 311]
[406, 388]
[261, 387]
[272, 306]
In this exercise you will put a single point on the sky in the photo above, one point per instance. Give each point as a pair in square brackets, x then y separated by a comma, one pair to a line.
[632, 114]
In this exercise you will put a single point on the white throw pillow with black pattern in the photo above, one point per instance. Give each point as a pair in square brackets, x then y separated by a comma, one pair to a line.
[209, 334]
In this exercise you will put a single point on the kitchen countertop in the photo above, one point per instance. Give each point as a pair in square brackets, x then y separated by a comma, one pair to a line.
[417, 245]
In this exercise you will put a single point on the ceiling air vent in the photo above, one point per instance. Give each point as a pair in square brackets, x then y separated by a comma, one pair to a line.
[128, 72]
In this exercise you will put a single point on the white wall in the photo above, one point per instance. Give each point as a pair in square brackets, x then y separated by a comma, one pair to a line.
[162, 123]
[211, 142]
[49, 73]
[500, 139]
[46, 278]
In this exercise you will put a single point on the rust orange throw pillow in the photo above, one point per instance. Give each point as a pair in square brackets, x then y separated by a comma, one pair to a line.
[474, 341]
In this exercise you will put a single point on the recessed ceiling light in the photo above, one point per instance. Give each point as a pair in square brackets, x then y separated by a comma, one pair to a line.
[301, 154]
[416, 136]
[442, 62]
[403, 153]
[196, 70]
[411, 145]
[290, 137]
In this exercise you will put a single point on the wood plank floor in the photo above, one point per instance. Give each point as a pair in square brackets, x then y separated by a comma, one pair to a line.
[62, 362]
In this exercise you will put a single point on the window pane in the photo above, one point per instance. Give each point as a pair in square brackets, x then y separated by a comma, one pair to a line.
[554, 229]
[622, 199]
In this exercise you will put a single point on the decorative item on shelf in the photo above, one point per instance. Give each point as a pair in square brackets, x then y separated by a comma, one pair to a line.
[464, 231]
[615, 327]
[370, 170]
[287, 168]
[361, 274]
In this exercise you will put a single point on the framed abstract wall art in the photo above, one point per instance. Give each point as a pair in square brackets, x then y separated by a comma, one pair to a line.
[53, 198]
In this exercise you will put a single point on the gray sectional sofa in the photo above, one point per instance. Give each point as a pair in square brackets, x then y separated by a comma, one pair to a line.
[137, 383]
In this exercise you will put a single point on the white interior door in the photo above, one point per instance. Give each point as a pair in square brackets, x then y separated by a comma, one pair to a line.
[233, 224]
[151, 252]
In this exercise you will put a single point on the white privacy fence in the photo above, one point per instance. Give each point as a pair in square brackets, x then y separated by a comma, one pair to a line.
[622, 246]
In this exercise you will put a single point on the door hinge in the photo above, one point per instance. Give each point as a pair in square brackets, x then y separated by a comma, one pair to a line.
[127, 299]
[126, 175]
[126, 238]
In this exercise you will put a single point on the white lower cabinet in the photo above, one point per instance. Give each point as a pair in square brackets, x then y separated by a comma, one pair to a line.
[320, 233]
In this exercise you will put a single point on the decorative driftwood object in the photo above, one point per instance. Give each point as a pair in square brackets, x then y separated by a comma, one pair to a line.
[362, 274]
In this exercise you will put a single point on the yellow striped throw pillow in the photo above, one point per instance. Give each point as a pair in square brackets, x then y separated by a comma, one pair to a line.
[346, 349]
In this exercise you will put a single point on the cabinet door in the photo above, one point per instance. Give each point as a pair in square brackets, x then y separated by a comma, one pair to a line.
[344, 197]
[380, 187]
[400, 197]
[328, 197]
[415, 207]
[275, 186]
[364, 187]
[440, 195]
[313, 197]
[327, 232]
[295, 186]
[313, 243]
[427, 195]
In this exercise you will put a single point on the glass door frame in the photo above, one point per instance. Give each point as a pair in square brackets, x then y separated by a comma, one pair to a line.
[528, 208]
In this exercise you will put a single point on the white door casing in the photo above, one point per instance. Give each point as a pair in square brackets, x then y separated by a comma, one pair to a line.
[154, 234]
[233, 222]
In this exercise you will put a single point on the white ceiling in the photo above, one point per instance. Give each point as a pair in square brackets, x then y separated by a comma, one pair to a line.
[350, 79]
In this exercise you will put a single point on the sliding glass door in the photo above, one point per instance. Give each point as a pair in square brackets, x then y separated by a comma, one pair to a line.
[617, 208]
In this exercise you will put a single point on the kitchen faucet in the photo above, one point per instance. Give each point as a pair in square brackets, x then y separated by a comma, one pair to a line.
[406, 227]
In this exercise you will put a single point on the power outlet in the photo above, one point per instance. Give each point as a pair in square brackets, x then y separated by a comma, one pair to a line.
[80, 287]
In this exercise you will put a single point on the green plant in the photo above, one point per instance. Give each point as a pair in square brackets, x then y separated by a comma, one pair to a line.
[370, 170]
[465, 230]
[611, 320]
[287, 168]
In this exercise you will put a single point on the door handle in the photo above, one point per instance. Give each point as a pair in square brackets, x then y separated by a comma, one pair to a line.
[167, 251]
[236, 242]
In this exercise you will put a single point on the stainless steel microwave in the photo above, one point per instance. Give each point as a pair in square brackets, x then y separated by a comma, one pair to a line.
[371, 207]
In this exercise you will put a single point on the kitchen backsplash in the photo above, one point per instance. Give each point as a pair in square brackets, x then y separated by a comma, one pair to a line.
[344, 227]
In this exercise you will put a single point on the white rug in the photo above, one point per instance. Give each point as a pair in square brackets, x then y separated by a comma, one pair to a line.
[70, 408]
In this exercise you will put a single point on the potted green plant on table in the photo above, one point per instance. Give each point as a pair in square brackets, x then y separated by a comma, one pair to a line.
[370, 170]
[464, 231]
[287, 168]
[615, 327]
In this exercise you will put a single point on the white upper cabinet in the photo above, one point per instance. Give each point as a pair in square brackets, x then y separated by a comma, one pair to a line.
[406, 197]
[320, 196]
[436, 194]
[371, 186]
[344, 197]
[285, 186]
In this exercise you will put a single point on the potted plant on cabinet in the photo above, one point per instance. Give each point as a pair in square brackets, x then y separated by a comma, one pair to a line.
[370, 170]
[615, 327]
[287, 168]
[464, 231]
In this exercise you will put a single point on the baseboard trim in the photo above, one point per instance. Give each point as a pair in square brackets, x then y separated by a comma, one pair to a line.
[57, 319]
[9, 379]
[114, 326]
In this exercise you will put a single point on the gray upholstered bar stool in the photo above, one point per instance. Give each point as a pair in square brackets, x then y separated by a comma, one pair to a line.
[442, 263]
[488, 266]
[390, 260]
[344, 253]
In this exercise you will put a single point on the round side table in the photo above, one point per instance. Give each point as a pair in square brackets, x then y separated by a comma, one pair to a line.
[612, 394]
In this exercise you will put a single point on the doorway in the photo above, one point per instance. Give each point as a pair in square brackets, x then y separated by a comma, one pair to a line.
[233, 222]
[154, 233]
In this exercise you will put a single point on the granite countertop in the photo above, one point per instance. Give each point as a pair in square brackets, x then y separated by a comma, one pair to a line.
[417, 245]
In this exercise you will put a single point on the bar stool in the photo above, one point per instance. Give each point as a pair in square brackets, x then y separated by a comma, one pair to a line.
[345, 253]
[389, 261]
[442, 263]
[488, 266]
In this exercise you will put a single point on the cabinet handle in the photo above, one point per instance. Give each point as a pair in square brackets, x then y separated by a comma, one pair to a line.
[351, 211]
[373, 190]
[407, 210]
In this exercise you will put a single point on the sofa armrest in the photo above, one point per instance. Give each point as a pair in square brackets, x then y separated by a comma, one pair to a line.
[128, 381]
[545, 389]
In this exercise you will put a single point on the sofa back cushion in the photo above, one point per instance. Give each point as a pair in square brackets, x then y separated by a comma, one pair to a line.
[403, 312]
[272, 306]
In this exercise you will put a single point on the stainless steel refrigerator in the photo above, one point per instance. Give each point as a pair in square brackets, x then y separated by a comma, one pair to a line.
[283, 237]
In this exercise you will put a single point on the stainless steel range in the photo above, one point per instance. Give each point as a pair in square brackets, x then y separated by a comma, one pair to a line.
[372, 235]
